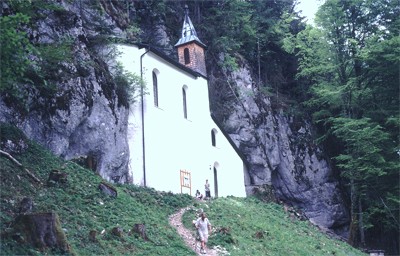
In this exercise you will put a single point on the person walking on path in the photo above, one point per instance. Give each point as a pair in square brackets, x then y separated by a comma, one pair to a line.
[203, 226]
[175, 221]
[207, 189]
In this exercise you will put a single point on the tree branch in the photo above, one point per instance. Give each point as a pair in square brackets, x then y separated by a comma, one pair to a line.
[15, 161]
[390, 212]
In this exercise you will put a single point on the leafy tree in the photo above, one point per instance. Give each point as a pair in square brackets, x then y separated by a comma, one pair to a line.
[274, 21]
[350, 62]
[365, 163]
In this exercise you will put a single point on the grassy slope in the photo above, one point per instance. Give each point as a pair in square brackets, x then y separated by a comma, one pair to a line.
[257, 228]
[82, 208]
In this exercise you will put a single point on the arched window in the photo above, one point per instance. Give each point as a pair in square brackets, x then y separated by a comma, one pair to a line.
[155, 89]
[184, 102]
[213, 141]
[186, 55]
[215, 182]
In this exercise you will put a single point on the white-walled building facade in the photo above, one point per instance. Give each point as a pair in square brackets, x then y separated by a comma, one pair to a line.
[170, 127]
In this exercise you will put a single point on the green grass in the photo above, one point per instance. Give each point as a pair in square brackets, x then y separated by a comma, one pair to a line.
[248, 226]
[82, 208]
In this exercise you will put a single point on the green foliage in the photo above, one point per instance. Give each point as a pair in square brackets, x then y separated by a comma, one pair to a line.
[35, 9]
[127, 85]
[249, 226]
[15, 51]
[362, 159]
[229, 62]
[381, 58]
[235, 32]
[51, 65]
[350, 63]
[149, 15]
[133, 32]
[54, 54]
[313, 51]
[10, 132]
[366, 163]
[30, 70]
[243, 28]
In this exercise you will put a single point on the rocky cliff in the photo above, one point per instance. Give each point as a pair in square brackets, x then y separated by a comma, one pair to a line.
[87, 119]
[281, 150]
[84, 119]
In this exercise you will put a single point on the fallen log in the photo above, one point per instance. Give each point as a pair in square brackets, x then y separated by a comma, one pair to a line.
[15, 161]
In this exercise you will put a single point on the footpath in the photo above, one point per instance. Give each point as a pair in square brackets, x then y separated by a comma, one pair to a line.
[175, 220]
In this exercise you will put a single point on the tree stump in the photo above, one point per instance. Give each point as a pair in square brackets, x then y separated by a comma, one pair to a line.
[92, 236]
[57, 177]
[140, 230]
[108, 189]
[117, 231]
[42, 230]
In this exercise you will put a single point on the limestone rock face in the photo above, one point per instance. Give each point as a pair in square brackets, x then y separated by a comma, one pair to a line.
[85, 116]
[281, 152]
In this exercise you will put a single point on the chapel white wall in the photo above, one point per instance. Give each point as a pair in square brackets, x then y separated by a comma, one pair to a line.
[174, 143]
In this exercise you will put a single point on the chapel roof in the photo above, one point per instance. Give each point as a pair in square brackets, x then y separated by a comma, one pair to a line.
[188, 32]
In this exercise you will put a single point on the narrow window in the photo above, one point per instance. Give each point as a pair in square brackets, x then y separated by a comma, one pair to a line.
[213, 142]
[184, 103]
[186, 55]
[155, 89]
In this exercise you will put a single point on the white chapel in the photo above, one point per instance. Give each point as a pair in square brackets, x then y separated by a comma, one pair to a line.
[175, 144]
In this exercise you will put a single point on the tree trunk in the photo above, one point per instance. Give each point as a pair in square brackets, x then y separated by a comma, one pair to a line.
[353, 224]
[361, 223]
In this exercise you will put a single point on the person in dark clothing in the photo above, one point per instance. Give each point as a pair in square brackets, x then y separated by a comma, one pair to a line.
[207, 189]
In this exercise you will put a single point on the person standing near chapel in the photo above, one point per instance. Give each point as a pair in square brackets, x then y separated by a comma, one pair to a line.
[207, 189]
[203, 226]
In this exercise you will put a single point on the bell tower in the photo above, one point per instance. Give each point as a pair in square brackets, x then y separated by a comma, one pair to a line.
[190, 48]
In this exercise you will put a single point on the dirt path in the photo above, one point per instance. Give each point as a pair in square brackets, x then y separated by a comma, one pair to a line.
[175, 220]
